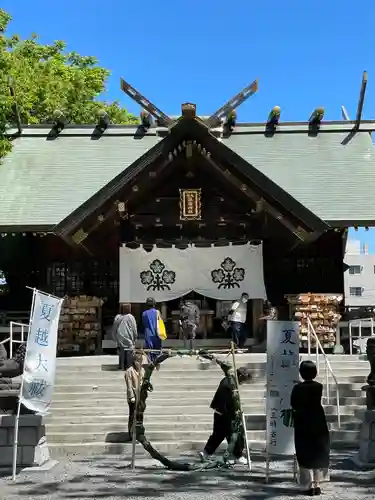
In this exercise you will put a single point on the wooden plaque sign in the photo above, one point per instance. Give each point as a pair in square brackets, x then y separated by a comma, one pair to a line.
[190, 204]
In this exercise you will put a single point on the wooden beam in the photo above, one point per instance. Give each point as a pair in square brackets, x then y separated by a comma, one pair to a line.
[196, 232]
[162, 118]
[110, 208]
[173, 220]
[361, 100]
[298, 231]
[232, 104]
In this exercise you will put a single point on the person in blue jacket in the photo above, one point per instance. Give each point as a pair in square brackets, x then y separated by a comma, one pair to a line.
[150, 329]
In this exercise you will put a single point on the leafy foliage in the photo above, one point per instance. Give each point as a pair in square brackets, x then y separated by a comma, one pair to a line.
[46, 78]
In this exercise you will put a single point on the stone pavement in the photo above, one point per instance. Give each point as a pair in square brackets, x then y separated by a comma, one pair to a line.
[109, 477]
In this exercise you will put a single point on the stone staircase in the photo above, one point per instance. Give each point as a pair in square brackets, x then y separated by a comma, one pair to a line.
[89, 404]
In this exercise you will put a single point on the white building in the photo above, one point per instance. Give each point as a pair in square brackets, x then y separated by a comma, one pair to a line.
[359, 279]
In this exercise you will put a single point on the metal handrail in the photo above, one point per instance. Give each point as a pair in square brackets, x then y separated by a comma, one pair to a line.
[328, 367]
[11, 340]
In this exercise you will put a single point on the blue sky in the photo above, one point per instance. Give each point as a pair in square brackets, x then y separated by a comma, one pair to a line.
[304, 53]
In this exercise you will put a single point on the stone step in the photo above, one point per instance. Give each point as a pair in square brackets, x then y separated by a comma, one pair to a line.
[344, 400]
[342, 435]
[193, 373]
[152, 435]
[180, 365]
[167, 448]
[254, 360]
[186, 385]
[211, 372]
[191, 397]
[170, 423]
[80, 410]
[250, 405]
[120, 418]
[106, 403]
[173, 394]
[350, 425]
[69, 416]
[181, 385]
[99, 360]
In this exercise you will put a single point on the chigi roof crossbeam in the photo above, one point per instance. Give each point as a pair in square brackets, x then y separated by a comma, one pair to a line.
[226, 115]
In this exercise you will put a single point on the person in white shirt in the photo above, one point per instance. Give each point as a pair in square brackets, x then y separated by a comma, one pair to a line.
[237, 320]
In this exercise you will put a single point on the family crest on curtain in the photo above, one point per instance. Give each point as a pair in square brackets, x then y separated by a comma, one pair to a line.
[222, 273]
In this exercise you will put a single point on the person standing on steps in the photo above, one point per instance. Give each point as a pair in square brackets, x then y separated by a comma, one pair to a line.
[133, 377]
[237, 321]
[125, 333]
[269, 313]
[224, 414]
[150, 318]
[189, 322]
[311, 434]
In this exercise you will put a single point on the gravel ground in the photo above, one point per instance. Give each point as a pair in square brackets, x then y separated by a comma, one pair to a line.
[109, 477]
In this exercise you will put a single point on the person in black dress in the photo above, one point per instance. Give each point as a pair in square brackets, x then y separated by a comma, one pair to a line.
[311, 434]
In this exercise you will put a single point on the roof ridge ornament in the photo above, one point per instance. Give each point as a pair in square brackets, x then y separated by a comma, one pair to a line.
[189, 110]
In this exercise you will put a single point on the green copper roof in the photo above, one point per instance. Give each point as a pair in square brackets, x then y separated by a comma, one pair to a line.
[335, 181]
[43, 181]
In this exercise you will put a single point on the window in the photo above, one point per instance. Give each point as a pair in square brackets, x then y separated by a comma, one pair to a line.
[356, 269]
[355, 291]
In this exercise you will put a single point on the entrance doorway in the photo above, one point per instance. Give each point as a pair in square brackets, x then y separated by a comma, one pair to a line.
[213, 316]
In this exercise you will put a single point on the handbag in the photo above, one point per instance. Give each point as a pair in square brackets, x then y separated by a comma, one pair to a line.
[162, 332]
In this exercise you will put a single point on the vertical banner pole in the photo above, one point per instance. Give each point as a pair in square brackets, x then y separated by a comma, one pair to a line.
[11, 341]
[17, 422]
[242, 413]
[295, 468]
[15, 442]
[267, 468]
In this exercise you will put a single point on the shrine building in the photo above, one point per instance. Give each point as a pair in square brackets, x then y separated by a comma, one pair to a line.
[82, 205]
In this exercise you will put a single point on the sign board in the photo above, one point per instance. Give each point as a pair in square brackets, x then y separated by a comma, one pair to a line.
[190, 204]
[40, 360]
[282, 375]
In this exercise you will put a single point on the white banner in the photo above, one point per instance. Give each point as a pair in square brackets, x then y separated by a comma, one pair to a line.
[40, 360]
[163, 273]
[282, 374]
[222, 273]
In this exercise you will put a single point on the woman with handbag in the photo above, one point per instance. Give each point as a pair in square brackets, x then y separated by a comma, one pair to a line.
[153, 329]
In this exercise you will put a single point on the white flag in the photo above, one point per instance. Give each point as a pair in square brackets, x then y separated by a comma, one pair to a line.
[282, 374]
[40, 360]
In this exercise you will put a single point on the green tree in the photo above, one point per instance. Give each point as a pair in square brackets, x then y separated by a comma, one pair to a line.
[45, 79]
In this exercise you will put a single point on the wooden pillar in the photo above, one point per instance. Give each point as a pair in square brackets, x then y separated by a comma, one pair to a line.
[257, 313]
[163, 311]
